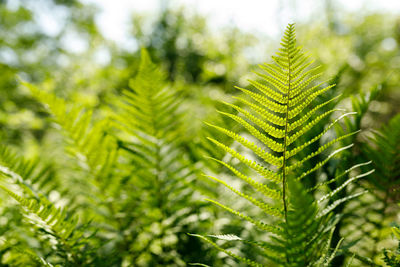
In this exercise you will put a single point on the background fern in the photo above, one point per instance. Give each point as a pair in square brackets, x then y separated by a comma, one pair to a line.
[52, 225]
[110, 161]
[149, 120]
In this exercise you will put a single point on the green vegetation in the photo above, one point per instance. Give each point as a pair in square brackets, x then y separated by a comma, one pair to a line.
[142, 159]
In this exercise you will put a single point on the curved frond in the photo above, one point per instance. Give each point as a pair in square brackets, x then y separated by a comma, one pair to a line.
[89, 142]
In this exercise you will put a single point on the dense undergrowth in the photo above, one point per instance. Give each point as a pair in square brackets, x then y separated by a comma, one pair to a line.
[281, 176]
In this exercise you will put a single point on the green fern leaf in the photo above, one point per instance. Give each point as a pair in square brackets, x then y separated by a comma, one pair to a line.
[148, 118]
[53, 221]
[278, 116]
[90, 144]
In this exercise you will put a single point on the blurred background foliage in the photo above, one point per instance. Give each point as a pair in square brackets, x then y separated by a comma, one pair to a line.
[71, 57]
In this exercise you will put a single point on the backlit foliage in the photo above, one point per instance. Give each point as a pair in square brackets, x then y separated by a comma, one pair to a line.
[277, 114]
[121, 177]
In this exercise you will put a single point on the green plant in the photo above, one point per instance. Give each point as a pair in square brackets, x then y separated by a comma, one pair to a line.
[279, 116]
[57, 228]
[128, 164]
[117, 180]
[349, 210]
[149, 124]
[383, 149]
[366, 219]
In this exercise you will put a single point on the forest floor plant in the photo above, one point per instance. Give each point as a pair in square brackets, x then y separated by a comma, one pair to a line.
[276, 116]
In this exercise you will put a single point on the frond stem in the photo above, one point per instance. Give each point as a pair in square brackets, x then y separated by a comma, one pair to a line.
[284, 159]
[284, 165]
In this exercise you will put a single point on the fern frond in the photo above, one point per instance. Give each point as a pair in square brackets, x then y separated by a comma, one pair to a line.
[43, 214]
[23, 256]
[30, 172]
[279, 116]
[90, 143]
[57, 220]
[148, 120]
[382, 149]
